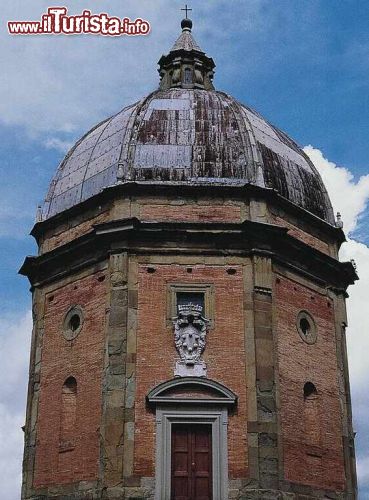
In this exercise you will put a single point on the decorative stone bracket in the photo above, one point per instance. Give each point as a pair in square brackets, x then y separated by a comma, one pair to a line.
[190, 329]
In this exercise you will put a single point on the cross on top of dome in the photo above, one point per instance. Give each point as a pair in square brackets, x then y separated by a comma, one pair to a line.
[186, 9]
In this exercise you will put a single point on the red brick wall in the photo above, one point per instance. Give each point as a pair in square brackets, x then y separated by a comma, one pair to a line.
[211, 213]
[313, 452]
[191, 213]
[81, 358]
[299, 234]
[66, 233]
[156, 354]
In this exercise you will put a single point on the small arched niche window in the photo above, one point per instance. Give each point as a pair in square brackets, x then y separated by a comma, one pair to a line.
[310, 391]
[311, 414]
[68, 412]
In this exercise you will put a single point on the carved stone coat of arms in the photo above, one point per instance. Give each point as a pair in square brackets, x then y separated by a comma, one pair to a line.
[190, 329]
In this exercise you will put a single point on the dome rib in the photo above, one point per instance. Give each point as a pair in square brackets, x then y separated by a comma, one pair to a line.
[128, 132]
[92, 153]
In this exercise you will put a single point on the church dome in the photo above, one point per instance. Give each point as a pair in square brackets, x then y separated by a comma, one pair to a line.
[186, 132]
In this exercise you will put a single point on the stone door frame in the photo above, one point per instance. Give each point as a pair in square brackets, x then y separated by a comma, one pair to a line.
[217, 417]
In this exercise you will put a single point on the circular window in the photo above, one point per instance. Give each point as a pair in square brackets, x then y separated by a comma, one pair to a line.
[306, 327]
[73, 323]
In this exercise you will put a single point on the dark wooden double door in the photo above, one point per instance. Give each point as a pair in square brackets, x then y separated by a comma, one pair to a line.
[191, 462]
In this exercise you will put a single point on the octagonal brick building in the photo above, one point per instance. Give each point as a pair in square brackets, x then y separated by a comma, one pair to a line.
[189, 309]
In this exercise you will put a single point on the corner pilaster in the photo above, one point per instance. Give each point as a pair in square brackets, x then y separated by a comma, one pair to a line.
[114, 381]
[30, 430]
[265, 428]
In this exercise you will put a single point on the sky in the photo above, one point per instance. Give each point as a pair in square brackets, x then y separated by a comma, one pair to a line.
[302, 64]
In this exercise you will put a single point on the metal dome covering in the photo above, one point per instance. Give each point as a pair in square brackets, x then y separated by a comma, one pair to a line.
[187, 133]
[187, 136]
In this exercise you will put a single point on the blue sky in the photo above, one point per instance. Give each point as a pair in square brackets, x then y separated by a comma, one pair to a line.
[303, 64]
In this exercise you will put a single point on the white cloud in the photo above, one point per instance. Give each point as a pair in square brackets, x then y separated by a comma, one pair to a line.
[11, 451]
[357, 333]
[348, 197]
[14, 358]
[58, 144]
[363, 470]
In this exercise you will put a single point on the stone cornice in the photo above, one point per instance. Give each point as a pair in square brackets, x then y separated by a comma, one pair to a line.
[235, 192]
[185, 238]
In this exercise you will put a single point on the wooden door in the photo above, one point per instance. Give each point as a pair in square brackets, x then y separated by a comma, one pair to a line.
[191, 462]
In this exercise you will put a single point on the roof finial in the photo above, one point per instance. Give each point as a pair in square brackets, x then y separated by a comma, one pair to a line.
[186, 23]
[39, 213]
[354, 265]
[339, 222]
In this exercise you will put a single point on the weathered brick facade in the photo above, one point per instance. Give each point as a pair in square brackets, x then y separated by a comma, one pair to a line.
[58, 461]
[313, 451]
[103, 445]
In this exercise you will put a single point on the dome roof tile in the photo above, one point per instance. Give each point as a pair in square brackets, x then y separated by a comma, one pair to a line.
[186, 136]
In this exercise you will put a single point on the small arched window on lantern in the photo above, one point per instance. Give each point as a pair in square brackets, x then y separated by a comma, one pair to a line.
[68, 414]
[188, 76]
[311, 414]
